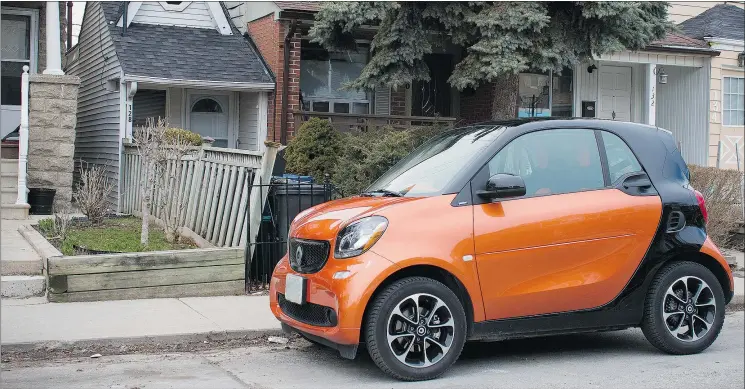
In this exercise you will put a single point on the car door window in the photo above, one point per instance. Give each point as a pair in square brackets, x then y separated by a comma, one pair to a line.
[552, 161]
[621, 160]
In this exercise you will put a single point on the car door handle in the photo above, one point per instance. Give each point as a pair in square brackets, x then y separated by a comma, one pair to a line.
[637, 182]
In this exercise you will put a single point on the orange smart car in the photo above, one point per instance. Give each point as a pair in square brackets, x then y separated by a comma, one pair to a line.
[506, 230]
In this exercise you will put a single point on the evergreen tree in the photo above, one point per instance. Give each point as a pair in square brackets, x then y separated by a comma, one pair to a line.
[500, 39]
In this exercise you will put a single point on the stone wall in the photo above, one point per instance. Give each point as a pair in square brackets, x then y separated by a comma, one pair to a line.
[53, 104]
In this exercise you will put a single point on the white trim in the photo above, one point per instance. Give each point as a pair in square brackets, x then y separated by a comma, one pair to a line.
[174, 7]
[122, 109]
[650, 94]
[132, 9]
[219, 17]
[722, 102]
[725, 43]
[234, 86]
[33, 14]
[261, 132]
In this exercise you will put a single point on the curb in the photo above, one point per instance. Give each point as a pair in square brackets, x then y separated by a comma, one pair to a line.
[155, 341]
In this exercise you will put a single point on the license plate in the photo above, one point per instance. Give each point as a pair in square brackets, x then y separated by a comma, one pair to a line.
[295, 289]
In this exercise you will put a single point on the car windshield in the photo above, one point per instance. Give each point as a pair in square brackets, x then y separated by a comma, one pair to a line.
[429, 168]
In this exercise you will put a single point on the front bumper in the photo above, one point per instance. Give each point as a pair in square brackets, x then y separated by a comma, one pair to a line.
[347, 297]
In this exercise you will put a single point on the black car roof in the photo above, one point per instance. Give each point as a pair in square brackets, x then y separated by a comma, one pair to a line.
[650, 144]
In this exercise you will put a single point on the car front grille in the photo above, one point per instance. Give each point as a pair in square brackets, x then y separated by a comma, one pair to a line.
[308, 256]
[308, 313]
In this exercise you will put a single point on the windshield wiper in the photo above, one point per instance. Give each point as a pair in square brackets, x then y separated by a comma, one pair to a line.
[382, 193]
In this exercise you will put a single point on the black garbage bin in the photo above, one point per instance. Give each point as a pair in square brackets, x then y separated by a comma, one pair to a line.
[292, 198]
[41, 201]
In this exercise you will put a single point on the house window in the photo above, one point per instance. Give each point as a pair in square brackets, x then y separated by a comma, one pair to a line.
[176, 6]
[16, 52]
[546, 93]
[733, 93]
[323, 75]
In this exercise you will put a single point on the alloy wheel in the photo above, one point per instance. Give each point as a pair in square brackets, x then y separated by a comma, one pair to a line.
[420, 330]
[689, 309]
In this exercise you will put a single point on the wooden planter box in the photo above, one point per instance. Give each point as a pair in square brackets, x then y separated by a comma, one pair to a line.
[156, 274]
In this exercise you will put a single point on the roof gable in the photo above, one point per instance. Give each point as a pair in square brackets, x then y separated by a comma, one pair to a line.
[184, 53]
[721, 21]
[194, 14]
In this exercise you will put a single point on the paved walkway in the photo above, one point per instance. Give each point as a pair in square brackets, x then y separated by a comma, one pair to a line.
[34, 320]
[17, 255]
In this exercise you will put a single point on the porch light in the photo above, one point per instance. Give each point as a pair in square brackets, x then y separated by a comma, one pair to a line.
[661, 75]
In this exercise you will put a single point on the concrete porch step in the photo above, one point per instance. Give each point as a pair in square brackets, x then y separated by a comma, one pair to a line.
[9, 165]
[22, 286]
[8, 179]
[9, 195]
[14, 211]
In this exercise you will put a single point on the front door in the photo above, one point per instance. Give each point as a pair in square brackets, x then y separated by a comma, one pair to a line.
[208, 116]
[432, 98]
[614, 91]
[573, 241]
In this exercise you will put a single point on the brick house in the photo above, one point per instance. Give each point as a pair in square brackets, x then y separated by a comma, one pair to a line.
[666, 84]
[314, 76]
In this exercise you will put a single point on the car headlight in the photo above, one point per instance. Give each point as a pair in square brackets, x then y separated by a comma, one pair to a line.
[359, 236]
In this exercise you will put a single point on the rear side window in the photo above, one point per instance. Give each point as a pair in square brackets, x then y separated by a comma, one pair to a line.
[552, 161]
[620, 158]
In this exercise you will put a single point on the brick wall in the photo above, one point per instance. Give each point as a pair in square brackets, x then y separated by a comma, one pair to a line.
[269, 36]
[475, 106]
[398, 101]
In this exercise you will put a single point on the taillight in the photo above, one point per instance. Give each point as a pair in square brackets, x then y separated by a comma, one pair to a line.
[702, 205]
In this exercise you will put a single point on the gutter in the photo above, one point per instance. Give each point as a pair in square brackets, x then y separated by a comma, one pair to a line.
[247, 86]
[683, 49]
[285, 81]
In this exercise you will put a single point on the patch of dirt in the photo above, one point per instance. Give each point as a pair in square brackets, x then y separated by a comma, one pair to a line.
[55, 351]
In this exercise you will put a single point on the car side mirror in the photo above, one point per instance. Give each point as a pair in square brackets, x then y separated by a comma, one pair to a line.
[503, 185]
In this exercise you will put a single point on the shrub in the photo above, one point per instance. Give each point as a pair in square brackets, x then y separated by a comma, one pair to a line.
[315, 149]
[184, 136]
[722, 191]
[92, 192]
[367, 155]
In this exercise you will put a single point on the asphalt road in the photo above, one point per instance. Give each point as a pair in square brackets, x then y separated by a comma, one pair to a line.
[605, 360]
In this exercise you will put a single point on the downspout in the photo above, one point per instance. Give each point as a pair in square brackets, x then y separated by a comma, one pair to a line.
[69, 25]
[285, 82]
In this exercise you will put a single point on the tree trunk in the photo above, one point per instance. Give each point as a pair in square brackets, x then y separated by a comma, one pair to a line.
[144, 193]
[505, 97]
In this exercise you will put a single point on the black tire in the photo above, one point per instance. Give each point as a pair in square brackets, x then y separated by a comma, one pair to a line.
[655, 327]
[376, 328]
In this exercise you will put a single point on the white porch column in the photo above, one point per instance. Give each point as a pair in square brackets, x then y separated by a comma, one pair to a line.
[54, 51]
[23, 140]
[650, 93]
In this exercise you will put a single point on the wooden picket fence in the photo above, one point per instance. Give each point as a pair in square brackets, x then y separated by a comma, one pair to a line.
[215, 183]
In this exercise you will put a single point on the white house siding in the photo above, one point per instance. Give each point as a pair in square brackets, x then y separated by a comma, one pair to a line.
[248, 121]
[682, 106]
[175, 107]
[196, 14]
[97, 139]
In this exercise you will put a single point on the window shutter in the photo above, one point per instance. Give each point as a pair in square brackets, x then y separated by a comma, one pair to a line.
[382, 101]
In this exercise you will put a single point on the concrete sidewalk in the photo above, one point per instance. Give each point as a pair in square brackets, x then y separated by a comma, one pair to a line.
[34, 321]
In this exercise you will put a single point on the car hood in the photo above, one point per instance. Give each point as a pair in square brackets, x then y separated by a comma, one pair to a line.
[324, 221]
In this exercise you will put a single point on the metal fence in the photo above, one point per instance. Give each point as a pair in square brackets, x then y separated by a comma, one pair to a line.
[285, 200]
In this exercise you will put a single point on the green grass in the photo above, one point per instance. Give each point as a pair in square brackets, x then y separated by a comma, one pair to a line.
[117, 234]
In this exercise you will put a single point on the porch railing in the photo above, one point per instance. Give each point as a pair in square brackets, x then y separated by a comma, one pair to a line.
[344, 122]
[22, 198]
[215, 184]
